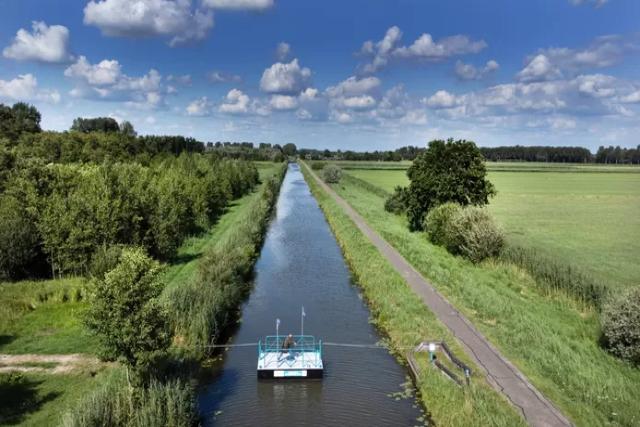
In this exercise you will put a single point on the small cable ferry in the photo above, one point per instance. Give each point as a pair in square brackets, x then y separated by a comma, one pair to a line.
[290, 356]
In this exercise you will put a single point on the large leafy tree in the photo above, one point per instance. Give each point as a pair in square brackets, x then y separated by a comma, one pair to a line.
[125, 313]
[18, 119]
[448, 171]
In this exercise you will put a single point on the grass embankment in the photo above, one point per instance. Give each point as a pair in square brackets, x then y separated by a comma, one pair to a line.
[44, 317]
[581, 215]
[403, 317]
[551, 338]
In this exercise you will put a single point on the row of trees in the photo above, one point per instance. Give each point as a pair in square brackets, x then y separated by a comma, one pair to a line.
[64, 217]
[618, 155]
[538, 154]
[403, 153]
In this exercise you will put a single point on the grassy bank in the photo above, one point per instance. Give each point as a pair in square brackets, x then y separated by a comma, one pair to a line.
[401, 315]
[582, 215]
[551, 338]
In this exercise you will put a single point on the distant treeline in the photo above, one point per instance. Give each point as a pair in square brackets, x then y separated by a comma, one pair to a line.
[614, 155]
[403, 153]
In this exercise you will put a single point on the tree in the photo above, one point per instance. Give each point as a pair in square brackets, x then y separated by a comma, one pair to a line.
[289, 149]
[18, 119]
[451, 171]
[126, 128]
[125, 313]
[98, 124]
[18, 239]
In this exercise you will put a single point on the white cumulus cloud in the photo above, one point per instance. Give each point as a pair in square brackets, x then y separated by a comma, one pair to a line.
[199, 107]
[142, 18]
[470, 72]
[441, 99]
[44, 43]
[106, 72]
[236, 102]
[282, 51]
[423, 48]
[285, 78]
[283, 102]
[25, 88]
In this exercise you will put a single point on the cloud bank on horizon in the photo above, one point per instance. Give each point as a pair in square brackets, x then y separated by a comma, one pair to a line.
[355, 75]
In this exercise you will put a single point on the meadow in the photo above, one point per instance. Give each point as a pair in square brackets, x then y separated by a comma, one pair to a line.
[551, 338]
[584, 215]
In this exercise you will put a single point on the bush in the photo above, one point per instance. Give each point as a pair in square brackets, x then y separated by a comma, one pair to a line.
[397, 202]
[438, 222]
[473, 234]
[621, 326]
[331, 174]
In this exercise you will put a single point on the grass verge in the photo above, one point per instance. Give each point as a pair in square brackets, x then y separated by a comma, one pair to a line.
[398, 312]
[552, 338]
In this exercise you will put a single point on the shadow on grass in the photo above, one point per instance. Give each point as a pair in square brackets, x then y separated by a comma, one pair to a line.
[184, 259]
[19, 397]
[6, 339]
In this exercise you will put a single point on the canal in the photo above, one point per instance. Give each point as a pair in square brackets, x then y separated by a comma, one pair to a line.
[301, 264]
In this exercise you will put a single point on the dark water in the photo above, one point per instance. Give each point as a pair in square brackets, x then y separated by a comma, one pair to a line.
[301, 264]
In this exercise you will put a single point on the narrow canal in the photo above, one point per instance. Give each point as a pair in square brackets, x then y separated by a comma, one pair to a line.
[301, 264]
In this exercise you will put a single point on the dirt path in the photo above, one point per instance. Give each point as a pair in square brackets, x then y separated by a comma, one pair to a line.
[46, 363]
[501, 374]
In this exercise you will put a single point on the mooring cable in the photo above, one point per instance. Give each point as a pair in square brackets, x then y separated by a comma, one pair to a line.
[331, 344]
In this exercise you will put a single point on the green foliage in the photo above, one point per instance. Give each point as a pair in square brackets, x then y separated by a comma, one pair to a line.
[19, 119]
[451, 171]
[397, 202]
[317, 165]
[331, 174]
[621, 326]
[98, 124]
[18, 239]
[204, 307]
[472, 233]
[78, 210]
[437, 223]
[289, 149]
[114, 404]
[557, 275]
[125, 313]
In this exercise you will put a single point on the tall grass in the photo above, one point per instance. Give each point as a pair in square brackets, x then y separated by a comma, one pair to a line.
[115, 404]
[202, 310]
[556, 276]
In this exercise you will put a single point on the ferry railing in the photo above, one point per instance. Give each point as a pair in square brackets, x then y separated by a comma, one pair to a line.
[303, 344]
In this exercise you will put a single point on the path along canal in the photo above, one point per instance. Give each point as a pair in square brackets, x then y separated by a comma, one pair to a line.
[301, 264]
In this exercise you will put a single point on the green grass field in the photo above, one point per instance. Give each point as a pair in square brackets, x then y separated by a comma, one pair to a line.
[571, 213]
[552, 339]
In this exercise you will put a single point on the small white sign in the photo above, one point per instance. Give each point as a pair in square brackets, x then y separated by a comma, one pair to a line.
[284, 374]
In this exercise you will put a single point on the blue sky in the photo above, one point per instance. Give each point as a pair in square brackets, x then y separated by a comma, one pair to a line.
[360, 75]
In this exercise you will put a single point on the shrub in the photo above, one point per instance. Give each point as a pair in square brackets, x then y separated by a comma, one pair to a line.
[438, 222]
[331, 174]
[473, 234]
[397, 202]
[621, 326]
